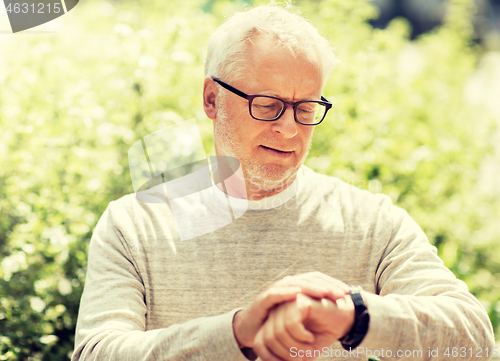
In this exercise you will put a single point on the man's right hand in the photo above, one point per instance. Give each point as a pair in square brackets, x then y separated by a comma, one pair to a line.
[247, 322]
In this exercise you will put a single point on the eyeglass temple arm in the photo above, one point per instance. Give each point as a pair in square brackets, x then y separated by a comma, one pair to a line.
[231, 89]
[325, 100]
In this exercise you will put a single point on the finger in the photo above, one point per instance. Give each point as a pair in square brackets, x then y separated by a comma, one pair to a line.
[315, 278]
[298, 335]
[326, 279]
[285, 343]
[274, 331]
[272, 297]
[333, 281]
[266, 355]
[338, 288]
[253, 317]
[296, 332]
[311, 288]
[261, 349]
[276, 337]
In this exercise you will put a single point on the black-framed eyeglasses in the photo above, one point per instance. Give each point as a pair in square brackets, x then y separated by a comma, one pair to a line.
[268, 108]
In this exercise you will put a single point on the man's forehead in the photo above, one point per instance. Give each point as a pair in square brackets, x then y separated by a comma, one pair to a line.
[272, 69]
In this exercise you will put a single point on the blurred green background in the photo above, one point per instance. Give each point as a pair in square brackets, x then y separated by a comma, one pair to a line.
[415, 119]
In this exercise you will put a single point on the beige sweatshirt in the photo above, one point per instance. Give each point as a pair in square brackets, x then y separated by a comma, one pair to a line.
[150, 296]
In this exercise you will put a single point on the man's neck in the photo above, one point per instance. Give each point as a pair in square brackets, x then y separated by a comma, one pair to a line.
[235, 187]
[256, 192]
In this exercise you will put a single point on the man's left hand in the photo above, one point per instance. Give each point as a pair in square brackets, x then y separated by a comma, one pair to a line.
[305, 324]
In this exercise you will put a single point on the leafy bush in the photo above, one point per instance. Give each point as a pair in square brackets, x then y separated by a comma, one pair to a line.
[71, 105]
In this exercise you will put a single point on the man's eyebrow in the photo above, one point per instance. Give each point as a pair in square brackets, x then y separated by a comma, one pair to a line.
[276, 95]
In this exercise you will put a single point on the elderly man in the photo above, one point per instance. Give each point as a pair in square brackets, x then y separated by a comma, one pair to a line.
[274, 283]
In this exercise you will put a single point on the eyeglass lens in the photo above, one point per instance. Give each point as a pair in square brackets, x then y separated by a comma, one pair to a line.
[266, 108]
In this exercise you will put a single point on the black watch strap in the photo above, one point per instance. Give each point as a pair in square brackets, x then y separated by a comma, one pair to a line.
[249, 353]
[361, 321]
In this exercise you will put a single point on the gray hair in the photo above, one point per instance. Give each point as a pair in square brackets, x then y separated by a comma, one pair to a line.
[227, 45]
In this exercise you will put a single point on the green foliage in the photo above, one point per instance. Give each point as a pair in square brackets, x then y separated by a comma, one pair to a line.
[71, 105]
[401, 118]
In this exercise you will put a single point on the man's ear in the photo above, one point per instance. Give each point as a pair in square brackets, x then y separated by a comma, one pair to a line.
[210, 92]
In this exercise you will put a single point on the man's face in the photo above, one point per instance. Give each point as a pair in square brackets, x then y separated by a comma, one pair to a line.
[270, 152]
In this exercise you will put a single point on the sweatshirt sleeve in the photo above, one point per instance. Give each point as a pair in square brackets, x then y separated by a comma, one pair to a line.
[420, 304]
[112, 317]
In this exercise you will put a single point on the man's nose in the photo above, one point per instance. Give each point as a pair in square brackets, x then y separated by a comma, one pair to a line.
[286, 124]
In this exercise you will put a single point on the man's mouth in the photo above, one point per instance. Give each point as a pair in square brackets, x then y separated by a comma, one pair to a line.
[278, 150]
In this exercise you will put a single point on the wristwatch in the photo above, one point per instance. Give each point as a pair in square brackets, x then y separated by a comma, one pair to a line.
[361, 320]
